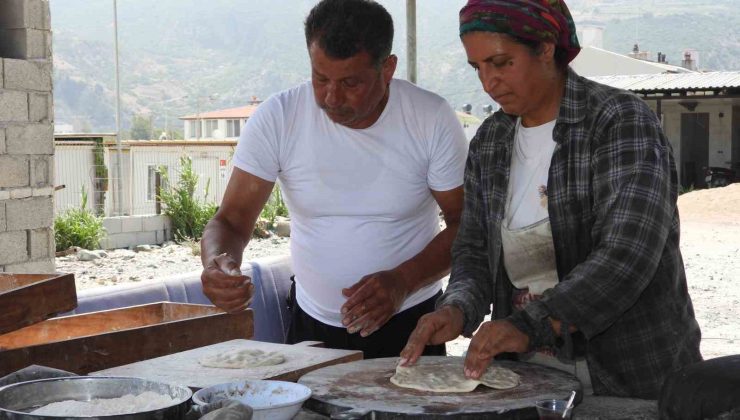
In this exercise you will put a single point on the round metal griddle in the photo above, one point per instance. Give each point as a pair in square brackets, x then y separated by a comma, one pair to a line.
[363, 389]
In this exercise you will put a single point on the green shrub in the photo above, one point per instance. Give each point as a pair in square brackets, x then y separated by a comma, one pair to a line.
[683, 190]
[274, 207]
[78, 227]
[188, 214]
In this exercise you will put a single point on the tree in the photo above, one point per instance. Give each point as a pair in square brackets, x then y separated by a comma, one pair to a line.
[141, 127]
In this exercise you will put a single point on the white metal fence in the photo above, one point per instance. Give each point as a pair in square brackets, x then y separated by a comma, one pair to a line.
[75, 168]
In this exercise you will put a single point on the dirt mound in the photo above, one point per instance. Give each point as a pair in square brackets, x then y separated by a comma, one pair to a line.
[715, 205]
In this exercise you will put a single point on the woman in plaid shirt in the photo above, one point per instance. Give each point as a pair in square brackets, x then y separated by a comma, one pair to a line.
[570, 227]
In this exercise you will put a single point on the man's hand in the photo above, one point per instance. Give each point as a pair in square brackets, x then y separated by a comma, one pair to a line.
[492, 338]
[438, 327]
[372, 302]
[224, 284]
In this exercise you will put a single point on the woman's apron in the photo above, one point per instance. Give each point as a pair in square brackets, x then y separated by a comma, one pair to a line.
[529, 260]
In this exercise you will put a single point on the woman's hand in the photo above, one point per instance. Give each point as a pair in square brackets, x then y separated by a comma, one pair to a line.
[438, 327]
[492, 338]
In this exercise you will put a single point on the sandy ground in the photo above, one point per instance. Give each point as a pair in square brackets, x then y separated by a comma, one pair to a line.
[710, 244]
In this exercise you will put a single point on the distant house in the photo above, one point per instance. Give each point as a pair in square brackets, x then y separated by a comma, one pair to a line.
[221, 124]
[700, 113]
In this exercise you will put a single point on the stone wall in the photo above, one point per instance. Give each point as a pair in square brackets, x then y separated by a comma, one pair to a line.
[26, 138]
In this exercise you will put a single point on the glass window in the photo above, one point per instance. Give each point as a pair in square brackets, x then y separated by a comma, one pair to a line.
[194, 129]
[211, 126]
[233, 128]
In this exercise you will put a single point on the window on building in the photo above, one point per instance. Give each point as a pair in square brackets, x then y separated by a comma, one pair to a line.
[211, 126]
[194, 129]
[233, 128]
[151, 186]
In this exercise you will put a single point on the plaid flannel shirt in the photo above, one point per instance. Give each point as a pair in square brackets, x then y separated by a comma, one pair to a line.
[612, 193]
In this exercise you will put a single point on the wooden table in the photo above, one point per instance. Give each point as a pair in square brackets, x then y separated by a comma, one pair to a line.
[183, 368]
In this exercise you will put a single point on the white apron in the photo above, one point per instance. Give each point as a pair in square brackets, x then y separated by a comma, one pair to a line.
[529, 260]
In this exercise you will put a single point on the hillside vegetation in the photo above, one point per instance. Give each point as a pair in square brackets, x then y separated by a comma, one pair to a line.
[176, 53]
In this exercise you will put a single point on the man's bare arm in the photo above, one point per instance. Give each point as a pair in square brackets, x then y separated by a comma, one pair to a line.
[226, 236]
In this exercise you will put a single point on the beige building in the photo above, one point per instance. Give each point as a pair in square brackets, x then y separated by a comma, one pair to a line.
[221, 124]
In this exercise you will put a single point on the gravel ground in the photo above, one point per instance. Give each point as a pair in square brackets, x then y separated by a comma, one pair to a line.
[710, 244]
[125, 266]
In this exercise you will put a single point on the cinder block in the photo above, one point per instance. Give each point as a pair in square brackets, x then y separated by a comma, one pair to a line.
[18, 14]
[164, 236]
[2, 77]
[25, 43]
[131, 224]
[27, 74]
[125, 240]
[31, 139]
[153, 223]
[41, 243]
[13, 106]
[3, 226]
[4, 195]
[167, 223]
[43, 192]
[39, 108]
[47, 14]
[106, 243]
[112, 225]
[13, 247]
[19, 193]
[2, 141]
[146, 238]
[14, 171]
[40, 171]
[45, 266]
[32, 213]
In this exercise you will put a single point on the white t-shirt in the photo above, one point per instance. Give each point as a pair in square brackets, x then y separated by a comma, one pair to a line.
[359, 199]
[530, 165]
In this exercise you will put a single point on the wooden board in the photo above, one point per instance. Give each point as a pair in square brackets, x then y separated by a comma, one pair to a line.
[363, 390]
[183, 368]
[26, 299]
[100, 340]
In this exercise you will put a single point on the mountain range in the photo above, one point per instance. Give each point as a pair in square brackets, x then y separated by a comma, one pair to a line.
[179, 57]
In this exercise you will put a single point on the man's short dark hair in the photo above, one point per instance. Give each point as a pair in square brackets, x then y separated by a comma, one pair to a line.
[344, 28]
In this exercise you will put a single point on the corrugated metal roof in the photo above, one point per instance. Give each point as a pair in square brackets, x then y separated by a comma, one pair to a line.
[646, 83]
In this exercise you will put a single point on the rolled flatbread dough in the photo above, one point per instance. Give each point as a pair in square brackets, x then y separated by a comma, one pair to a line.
[242, 359]
[499, 378]
[432, 378]
[451, 378]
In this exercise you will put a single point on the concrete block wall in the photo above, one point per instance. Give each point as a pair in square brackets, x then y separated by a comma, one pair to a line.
[26, 138]
[129, 231]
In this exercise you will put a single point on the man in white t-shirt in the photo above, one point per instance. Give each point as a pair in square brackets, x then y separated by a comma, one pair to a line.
[365, 162]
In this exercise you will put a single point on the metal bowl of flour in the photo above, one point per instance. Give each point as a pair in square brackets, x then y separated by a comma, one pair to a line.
[17, 401]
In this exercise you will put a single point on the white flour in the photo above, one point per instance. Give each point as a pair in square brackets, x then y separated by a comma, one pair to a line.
[127, 404]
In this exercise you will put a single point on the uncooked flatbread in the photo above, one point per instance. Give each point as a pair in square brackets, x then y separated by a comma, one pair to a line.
[451, 378]
[242, 359]
[499, 378]
[432, 378]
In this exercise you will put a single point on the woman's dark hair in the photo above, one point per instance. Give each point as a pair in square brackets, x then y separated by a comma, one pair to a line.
[561, 55]
[344, 28]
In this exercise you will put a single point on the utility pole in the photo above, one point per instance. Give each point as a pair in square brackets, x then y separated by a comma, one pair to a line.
[411, 40]
[119, 180]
